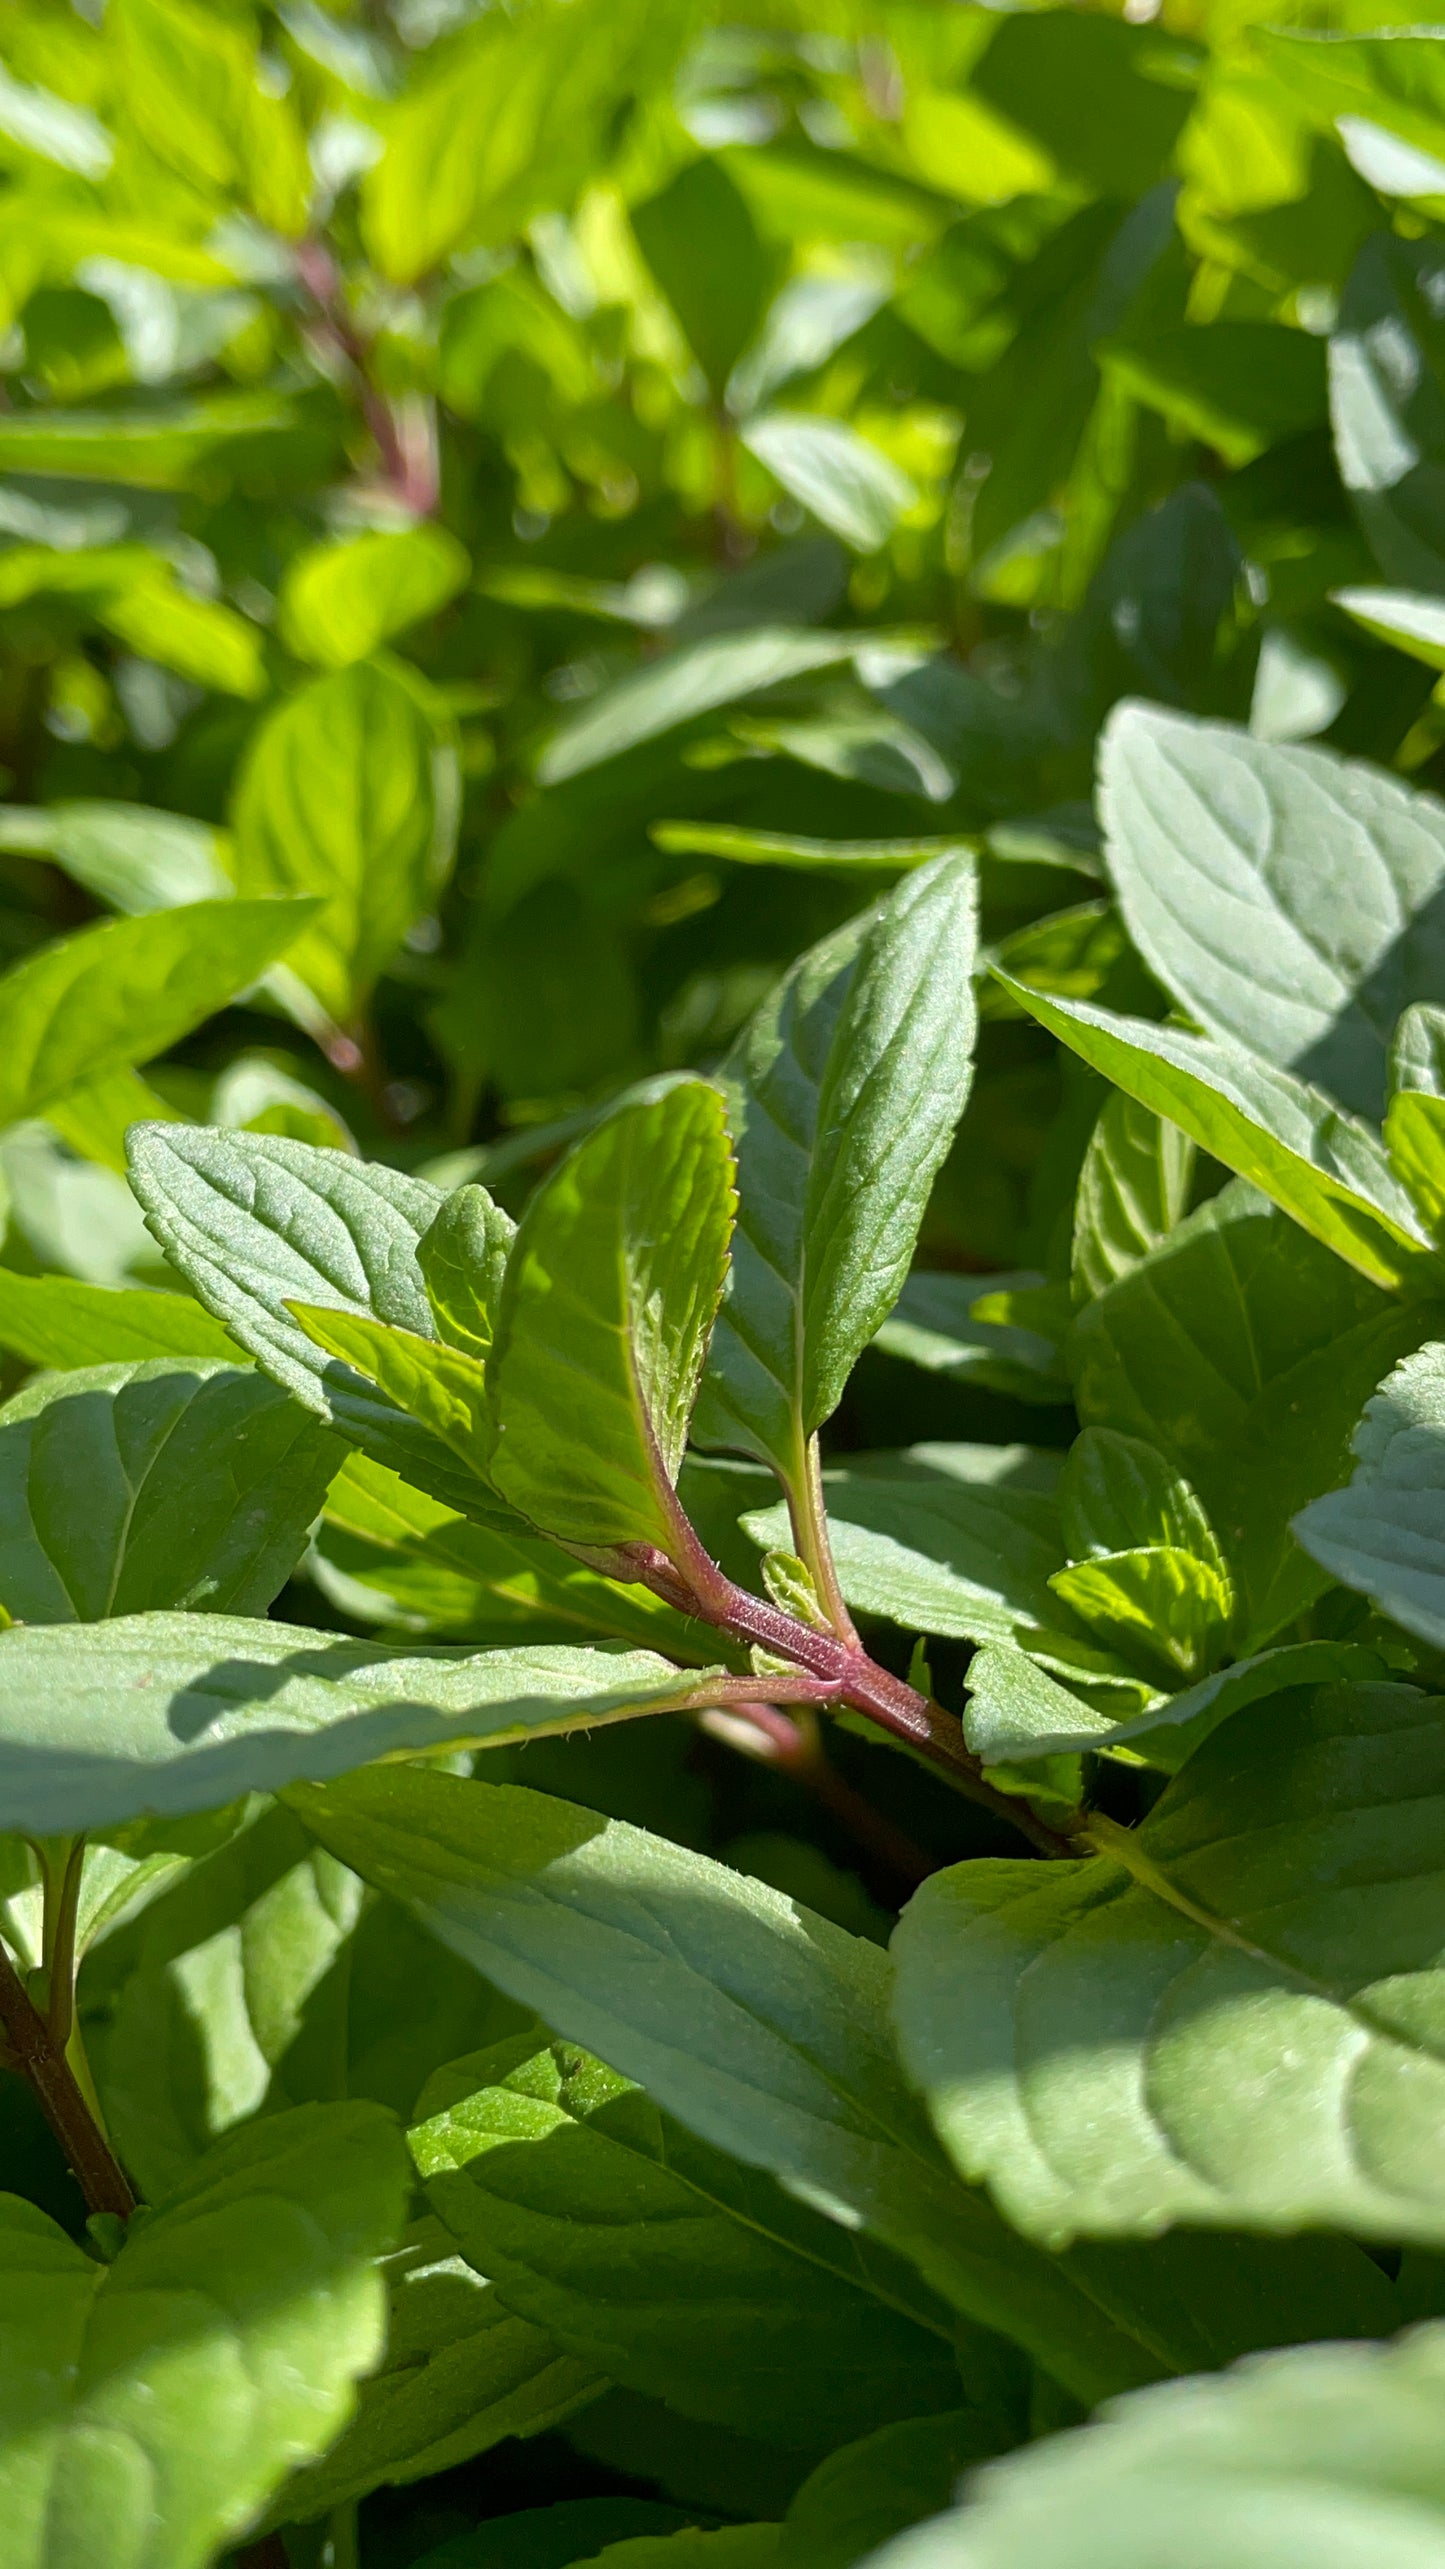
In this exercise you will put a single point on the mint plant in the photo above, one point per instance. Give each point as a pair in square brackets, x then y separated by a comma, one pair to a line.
[722, 1287]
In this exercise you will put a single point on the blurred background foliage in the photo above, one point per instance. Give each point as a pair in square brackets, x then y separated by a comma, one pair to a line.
[497, 467]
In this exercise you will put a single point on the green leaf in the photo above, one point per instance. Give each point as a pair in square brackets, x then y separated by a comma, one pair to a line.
[1413, 624]
[152, 2405]
[877, 2487]
[1244, 1353]
[1325, 2454]
[1322, 1166]
[1133, 1188]
[120, 993]
[340, 602]
[850, 486]
[1415, 1140]
[1390, 78]
[171, 1713]
[1417, 1052]
[843, 1095]
[933, 1324]
[1017, 1713]
[667, 2265]
[435, 1384]
[761, 2028]
[603, 1320]
[1116, 1492]
[255, 1222]
[1240, 386]
[345, 796]
[56, 1321]
[1385, 1534]
[700, 241]
[404, 1559]
[200, 638]
[1291, 900]
[462, 2373]
[1229, 2015]
[676, 689]
[463, 1258]
[165, 449]
[842, 856]
[1163, 1610]
[130, 1487]
[131, 858]
[963, 1541]
[1387, 400]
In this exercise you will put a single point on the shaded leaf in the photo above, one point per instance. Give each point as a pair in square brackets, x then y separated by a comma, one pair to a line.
[56, 1320]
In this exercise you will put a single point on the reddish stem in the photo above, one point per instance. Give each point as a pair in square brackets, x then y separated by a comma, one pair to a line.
[43, 2062]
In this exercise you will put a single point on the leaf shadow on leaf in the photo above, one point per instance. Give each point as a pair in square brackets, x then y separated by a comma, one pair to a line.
[1333, 1061]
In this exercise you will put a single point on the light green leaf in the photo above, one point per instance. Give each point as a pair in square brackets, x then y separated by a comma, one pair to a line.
[801, 855]
[120, 993]
[1322, 1166]
[1116, 1492]
[1017, 1713]
[761, 2028]
[1232, 2014]
[434, 1383]
[1133, 1188]
[843, 1095]
[462, 2373]
[131, 858]
[1413, 624]
[152, 2406]
[887, 2481]
[1388, 76]
[850, 486]
[966, 1550]
[1385, 1534]
[171, 1713]
[165, 449]
[1326, 2454]
[1163, 1610]
[1289, 899]
[1244, 1353]
[720, 670]
[345, 795]
[200, 638]
[339, 602]
[255, 1222]
[463, 1258]
[1387, 402]
[1417, 1051]
[403, 1559]
[130, 1487]
[933, 1324]
[54, 1320]
[93, 1121]
[1415, 1140]
[667, 2265]
[603, 1319]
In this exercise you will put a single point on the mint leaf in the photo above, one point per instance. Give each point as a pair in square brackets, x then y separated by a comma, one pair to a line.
[125, 1488]
[255, 1222]
[843, 1095]
[170, 1713]
[1274, 1919]
[1329, 2445]
[1385, 1534]
[463, 1258]
[58, 1321]
[665, 2263]
[1287, 898]
[603, 1320]
[1321, 1165]
[345, 796]
[120, 993]
[152, 2406]
[762, 2029]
